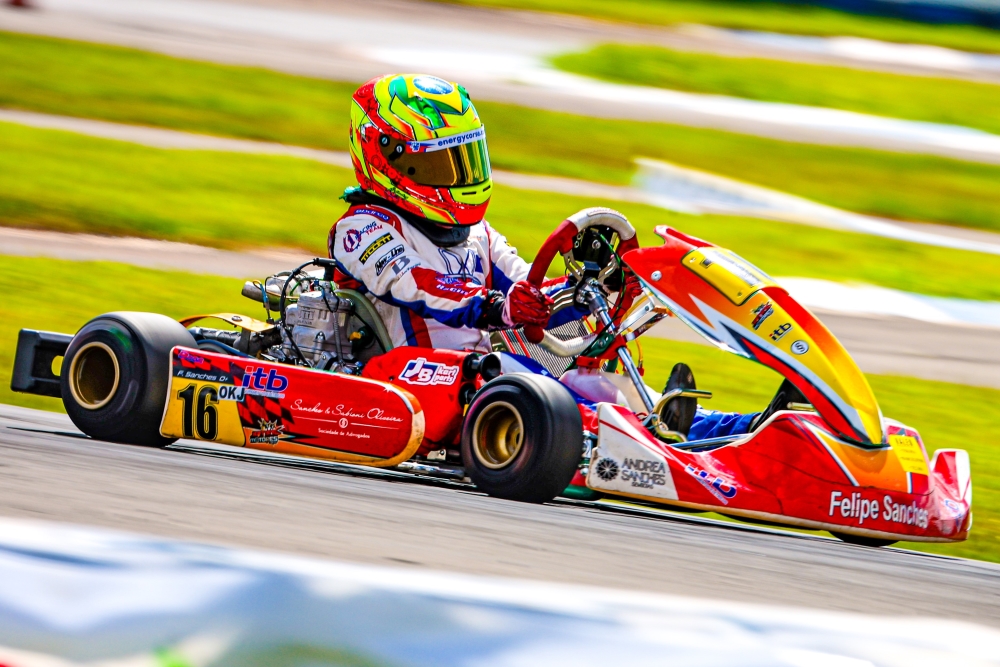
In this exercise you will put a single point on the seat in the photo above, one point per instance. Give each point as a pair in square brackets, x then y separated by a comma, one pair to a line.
[365, 316]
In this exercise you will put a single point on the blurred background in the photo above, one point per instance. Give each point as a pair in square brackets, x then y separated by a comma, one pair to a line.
[155, 153]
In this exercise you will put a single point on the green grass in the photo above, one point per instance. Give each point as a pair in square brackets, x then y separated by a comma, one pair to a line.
[930, 407]
[88, 80]
[761, 15]
[62, 181]
[80, 291]
[937, 100]
[131, 86]
[73, 183]
[99, 287]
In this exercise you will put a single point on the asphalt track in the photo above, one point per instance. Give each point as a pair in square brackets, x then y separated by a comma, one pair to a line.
[49, 471]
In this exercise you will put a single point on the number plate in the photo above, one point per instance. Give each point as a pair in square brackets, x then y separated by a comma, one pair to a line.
[195, 411]
[202, 403]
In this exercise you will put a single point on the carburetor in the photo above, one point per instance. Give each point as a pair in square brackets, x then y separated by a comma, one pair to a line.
[318, 327]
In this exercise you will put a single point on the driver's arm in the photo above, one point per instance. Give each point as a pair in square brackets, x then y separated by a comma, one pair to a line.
[375, 254]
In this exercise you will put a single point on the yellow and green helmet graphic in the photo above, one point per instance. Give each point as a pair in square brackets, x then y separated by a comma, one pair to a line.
[417, 141]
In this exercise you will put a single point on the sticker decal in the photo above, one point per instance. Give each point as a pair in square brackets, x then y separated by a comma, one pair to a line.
[607, 469]
[717, 485]
[419, 371]
[353, 237]
[622, 447]
[401, 265]
[433, 85]
[375, 245]
[780, 332]
[644, 473]
[446, 142]
[800, 347]
[386, 258]
[258, 383]
[908, 451]
[191, 359]
[214, 375]
[266, 433]
[228, 392]
[191, 366]
[371, 211]
[761, 313]
[855, 506]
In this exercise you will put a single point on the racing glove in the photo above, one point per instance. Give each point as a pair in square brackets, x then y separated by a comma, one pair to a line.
[524, 304]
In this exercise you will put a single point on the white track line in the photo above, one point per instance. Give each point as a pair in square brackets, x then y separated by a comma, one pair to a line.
[863, 50]
[848, 127]
[710, 193]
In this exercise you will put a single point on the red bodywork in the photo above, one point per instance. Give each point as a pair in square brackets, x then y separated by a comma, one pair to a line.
[792, 471]
[434, 377]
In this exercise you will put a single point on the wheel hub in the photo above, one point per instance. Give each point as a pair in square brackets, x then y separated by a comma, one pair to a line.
[498, 435]
[94, 376]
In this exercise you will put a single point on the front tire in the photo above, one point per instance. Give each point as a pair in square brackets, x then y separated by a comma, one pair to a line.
[115, 376]
[522, 438]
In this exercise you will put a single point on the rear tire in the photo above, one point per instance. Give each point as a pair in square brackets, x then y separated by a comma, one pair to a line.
[522, 438]
[863, 541]
[115, 376]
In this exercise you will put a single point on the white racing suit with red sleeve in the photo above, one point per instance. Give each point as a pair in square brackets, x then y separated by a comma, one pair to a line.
[428, 296]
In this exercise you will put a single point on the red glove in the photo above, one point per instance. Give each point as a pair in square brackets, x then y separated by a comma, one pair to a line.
[525, 304]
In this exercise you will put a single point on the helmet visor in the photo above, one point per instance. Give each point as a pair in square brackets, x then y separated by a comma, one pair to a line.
[428, 163]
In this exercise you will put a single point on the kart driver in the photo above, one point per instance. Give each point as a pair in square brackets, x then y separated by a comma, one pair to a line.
[416, 242]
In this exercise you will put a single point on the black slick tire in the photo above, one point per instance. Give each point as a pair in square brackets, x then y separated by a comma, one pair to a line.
[115, 376]
[549, 445]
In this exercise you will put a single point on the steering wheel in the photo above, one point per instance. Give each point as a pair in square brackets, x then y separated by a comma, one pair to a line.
[561, 241]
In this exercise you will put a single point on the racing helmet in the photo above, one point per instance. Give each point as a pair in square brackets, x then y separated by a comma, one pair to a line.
[417, 142]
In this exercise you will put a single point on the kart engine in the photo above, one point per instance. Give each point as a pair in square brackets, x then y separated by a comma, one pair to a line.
[318, 325]
[316, 328]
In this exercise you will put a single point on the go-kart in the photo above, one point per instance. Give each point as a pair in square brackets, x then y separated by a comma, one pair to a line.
[546, 413]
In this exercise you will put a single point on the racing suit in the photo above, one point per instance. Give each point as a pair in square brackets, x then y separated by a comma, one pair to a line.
[429, 296]
[432, 296]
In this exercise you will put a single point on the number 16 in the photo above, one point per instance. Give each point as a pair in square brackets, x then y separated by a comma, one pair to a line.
[207, 422]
